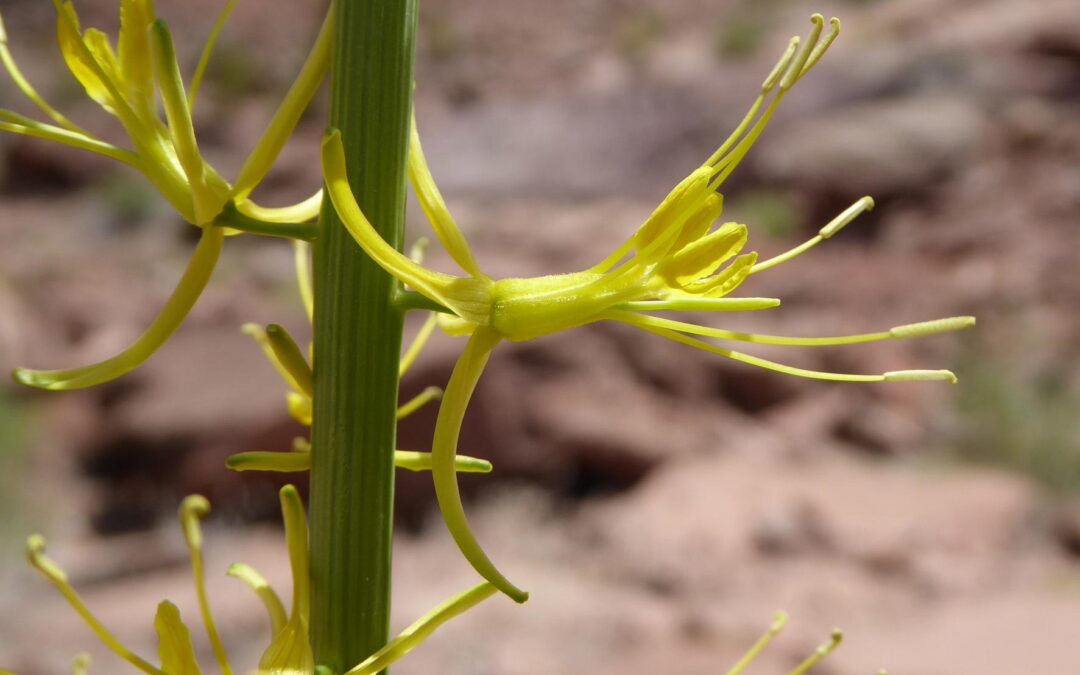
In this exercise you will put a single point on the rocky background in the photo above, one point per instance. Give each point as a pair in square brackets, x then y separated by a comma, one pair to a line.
[659, 502]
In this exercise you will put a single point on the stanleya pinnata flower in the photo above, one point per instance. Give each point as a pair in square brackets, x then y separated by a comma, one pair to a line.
[674, 261]
[289, 651]
[129, 83]
[294, 368]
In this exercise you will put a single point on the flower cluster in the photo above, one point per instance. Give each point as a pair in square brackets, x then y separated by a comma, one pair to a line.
[676, 260]
[129, 82]
[289, 650]
[281, 350]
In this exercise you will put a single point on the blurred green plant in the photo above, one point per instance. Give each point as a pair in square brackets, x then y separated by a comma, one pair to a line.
[773, 212]
[1024, 422]
[637, 33]
[16, 439]
[740, 34]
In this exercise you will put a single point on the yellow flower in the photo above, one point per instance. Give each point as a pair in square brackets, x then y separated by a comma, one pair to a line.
[288, 360]
[289, 651]
[128, 83]
[778, 624]
[674, 261]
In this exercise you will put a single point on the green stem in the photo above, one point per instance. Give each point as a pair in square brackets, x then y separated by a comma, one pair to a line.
[358, 338]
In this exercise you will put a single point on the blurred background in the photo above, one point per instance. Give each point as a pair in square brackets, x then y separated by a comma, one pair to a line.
[660, 503]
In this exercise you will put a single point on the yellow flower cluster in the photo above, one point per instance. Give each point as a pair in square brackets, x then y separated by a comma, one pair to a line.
[674, 261]
[129, 82]
[677, 260]
[289, 651]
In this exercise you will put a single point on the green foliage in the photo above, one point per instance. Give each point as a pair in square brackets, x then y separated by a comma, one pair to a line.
[1028, 423]
[637, 33]
[740, 34]
[772, 212]
[16, 442]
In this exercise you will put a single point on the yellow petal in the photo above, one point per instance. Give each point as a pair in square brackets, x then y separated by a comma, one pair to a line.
[415, 634]
[702, 257]
[136, 61]
[660, 231]
[290, 652]
[77, 56]
[444, 450]
[256, 582]
[431, 200]
[726, 281]
[469, 298]
[168, 320]
[699, 223]
[174, 642]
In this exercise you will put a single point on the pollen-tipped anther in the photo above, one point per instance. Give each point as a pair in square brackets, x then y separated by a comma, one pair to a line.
[924, 328]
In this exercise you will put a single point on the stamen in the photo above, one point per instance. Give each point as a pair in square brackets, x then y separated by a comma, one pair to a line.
[898, 333]
[81, 664]
[831, 228]
[820, 653]
[35, 554]
[302, 260]
[898, 376]
[164, 325]
[697, 304]
[822, 46]
[766, 87]
[459, 390]
[796, 69]
[414, 635]
[779, 621]
[174, 641]
[301, 444]
[208, 49]
[781, 67]
[925, 328]
[27, 89]
[419, 401]
[794, 63]
[192, 510]
[418, 344]
[421, 461]
[291, 358]
[256, 582]
[920, 376]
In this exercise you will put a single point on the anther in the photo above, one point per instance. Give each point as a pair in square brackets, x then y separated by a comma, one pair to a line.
[920, 376]
[934, 327]
[846, 216]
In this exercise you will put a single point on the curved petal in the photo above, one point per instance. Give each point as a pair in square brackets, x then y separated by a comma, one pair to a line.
[172, 315]
[256, 582]
[415, 634]
[174, 642]
[444, 450]
[431, 200]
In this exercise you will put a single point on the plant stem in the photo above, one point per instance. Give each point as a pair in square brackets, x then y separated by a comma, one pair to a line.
[358, 338]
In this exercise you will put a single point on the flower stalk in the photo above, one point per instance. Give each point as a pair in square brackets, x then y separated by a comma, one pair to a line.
[358, 338]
